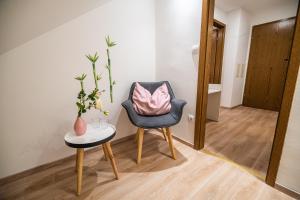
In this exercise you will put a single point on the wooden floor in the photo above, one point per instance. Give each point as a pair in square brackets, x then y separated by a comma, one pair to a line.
[194, 175]
[243, 135]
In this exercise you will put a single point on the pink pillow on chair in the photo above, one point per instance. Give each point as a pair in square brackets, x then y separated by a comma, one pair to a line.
[156, 104]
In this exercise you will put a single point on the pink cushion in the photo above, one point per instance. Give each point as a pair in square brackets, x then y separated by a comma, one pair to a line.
[156, 104]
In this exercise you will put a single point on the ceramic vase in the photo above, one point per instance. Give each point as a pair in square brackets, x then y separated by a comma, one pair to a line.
[79, 126]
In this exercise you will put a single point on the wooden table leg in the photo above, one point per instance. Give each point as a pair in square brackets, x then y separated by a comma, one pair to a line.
[140, 144]
[112, 159]
[77, 154]
[80, 153]
[170, 141]
[105, 152]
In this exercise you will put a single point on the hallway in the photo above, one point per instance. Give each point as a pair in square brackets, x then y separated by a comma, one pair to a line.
[243, 135]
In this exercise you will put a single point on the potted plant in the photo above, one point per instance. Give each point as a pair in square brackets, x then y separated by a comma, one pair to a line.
[93, 100]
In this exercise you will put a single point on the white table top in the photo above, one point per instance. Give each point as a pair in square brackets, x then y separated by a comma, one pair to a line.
[95, 135]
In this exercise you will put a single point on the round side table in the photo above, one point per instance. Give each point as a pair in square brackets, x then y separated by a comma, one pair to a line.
[95, 135]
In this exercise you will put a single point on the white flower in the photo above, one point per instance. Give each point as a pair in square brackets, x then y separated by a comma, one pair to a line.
[99, 104]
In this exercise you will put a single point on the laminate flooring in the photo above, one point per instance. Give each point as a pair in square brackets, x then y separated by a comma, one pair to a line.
[243, 135]
[194, 175]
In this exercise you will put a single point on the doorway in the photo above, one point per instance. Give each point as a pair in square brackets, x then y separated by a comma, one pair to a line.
[203, 82]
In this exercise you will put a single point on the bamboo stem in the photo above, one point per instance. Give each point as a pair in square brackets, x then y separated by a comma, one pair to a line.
[110, 77]
[95, 76]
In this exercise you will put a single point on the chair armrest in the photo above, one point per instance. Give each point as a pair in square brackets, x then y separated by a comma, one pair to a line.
[130, 111]
[177, 108]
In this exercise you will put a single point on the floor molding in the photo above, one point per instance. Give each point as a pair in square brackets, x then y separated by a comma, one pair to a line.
[42, 167]
[287, 191]
[183, 141]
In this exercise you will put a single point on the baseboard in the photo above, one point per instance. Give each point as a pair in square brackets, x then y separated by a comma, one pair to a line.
[42, 167]
[183, 141]
[287, 191]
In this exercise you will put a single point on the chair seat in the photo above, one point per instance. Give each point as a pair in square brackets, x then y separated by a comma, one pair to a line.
[160, 121]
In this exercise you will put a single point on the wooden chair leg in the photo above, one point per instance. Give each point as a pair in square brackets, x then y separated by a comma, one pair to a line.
[80, 153]
[137, 136]
[105, 152]
[140, 144]
[170, 141]
[111, 158]
[164, 133]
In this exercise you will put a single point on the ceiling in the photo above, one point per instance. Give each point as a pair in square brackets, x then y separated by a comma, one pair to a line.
[250, 5]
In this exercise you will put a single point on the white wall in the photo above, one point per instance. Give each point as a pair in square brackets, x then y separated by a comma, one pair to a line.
[275, 12]
[241, 58]
[220, 15]
[177, 30]
[289, 168]
[38, 91]
[22, 21]
[235, 54]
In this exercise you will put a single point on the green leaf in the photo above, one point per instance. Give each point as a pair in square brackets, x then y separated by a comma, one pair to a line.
[79, 105]
[99, 77]
[93, 58]
[109, 43]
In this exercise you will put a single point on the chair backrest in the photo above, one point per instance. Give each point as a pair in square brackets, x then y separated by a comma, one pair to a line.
[151, 87]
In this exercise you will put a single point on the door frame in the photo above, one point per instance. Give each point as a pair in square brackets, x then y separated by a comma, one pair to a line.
[202, 88]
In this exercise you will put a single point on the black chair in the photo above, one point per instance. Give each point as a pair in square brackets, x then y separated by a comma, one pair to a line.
[149, 122]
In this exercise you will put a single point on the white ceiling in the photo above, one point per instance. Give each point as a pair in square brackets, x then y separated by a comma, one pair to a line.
[250, 5]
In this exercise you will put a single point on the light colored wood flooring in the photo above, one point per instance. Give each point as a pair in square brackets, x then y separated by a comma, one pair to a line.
[243, 135]
[194, 175]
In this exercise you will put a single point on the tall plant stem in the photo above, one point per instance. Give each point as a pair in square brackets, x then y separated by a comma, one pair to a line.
[95, 76]
[109, 74]
[81, 98]
[81, 84]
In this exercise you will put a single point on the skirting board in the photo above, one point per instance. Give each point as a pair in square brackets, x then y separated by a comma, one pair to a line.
[183, 141]
[40, 168]
[287, 191]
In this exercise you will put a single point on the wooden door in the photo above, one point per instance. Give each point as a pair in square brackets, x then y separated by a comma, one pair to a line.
[217, 46]
[267, 66]
[213, 56]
